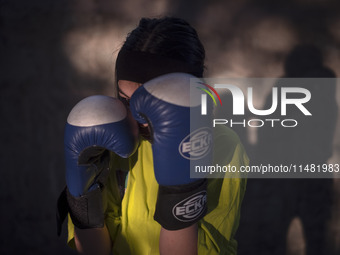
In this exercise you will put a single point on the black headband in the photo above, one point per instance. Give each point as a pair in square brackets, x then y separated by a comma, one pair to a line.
[141, 67]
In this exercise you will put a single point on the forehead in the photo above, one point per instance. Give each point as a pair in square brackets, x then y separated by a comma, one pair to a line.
[127, 88]
[126, 84]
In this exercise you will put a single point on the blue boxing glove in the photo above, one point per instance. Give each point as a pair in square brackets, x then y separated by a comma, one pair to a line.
[164, 104]
[95, 126]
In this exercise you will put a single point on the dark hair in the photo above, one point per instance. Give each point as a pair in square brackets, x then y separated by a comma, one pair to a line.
[169, 37]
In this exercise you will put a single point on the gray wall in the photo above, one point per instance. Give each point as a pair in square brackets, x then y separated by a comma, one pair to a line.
[54, 53]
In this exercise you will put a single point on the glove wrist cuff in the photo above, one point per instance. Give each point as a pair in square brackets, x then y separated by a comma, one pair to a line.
[87, 211]
[181, 206]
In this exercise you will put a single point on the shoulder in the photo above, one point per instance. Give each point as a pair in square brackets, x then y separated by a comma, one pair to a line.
[226, 134]
[227, 146]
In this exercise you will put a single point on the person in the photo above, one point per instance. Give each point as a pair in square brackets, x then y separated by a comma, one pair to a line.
[133, 218]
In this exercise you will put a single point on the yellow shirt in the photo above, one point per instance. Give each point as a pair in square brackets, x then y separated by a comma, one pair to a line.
[130, 220]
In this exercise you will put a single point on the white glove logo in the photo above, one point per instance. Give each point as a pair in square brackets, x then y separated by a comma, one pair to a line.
[197, 144]
[190, 208]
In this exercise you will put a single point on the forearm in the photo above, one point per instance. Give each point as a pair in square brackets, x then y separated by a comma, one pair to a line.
[179, 242]
[93, 241]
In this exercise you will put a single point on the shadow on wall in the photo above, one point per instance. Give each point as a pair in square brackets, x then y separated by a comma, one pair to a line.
[270, 205]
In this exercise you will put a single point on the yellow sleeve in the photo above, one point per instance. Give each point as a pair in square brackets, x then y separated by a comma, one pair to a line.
[218, 228]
